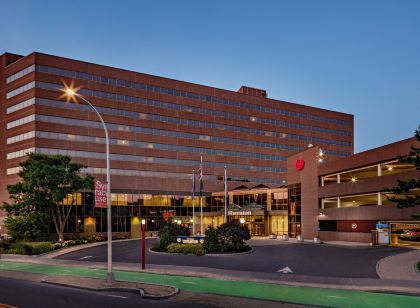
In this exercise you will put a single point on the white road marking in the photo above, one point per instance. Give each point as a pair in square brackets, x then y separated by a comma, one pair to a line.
[117, 296]
[85, 257]
[285, 270]
[190, 282]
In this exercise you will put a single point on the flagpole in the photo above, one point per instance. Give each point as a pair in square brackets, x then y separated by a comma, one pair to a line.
[225, 180]
[193, 193]
[201, 193]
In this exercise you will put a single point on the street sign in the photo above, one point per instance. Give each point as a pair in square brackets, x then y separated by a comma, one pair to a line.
[100, 194]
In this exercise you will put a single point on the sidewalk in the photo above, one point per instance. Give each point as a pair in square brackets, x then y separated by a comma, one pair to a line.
[402, 266]
[269, 286]
[285, 293]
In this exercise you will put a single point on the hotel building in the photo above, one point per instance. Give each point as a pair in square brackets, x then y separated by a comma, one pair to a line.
[158, 128]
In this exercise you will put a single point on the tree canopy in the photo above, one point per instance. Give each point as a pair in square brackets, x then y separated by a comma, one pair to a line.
[410, 187]
[45, 181]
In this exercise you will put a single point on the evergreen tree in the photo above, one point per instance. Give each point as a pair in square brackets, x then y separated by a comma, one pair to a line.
[410, 187]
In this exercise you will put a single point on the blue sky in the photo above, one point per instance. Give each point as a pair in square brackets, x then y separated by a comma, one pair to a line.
[359, 57]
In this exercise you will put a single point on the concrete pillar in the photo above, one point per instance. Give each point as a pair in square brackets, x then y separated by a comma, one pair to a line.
[322, 181]
[379, 199]
[322, 204]
[379, 170]
[338, 178]
[338, 202]
[135, 227]
[90, 225]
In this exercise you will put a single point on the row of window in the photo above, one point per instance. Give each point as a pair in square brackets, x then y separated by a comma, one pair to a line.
[191, 95]
[165, 105]
[159, 132]
[156, 117]
[20, 137]
[21, 105]
[20, 121]
[19, 153]
[21, 89]
[13, 170]
[160, 160]
[21, 73]
[160, 146]
[128, 172]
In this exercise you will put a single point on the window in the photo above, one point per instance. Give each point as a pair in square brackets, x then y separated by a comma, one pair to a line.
[21, 137]
[20, 121]
[20, 90]
[19, 153]
[20, 74]
[21, 105]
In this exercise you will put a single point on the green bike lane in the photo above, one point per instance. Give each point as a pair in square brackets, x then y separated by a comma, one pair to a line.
[257, 290]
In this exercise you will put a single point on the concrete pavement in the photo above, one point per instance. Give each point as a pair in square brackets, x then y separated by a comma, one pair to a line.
[402, 266]
[244, 289]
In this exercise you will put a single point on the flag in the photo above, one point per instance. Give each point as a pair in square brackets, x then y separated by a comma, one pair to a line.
[200, 176]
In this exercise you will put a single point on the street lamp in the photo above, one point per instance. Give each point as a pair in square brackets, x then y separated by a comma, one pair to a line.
[143, 243]
[70, 93]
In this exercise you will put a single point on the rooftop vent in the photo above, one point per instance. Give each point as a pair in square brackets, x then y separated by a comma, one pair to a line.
[253, 91]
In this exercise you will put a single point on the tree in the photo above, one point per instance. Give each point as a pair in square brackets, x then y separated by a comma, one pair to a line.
[211, 241]
[407, 187]
[232, 235]
[45, 181]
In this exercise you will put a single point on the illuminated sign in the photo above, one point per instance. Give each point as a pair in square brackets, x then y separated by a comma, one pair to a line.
[239, 213]
[300, 163]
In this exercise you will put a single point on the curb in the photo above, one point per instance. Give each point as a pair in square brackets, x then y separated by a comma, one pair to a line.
[118, 289]
[378, 272]
[66, 250]
[207, 254]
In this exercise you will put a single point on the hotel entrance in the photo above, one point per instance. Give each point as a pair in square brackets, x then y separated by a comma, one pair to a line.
[256, 223]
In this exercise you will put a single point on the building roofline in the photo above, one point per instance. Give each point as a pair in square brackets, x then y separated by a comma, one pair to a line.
[255, 98]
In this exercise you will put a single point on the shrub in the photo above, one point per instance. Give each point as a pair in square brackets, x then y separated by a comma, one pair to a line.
[232, 236]
[26, 226]
[167, 235]
[166, 238]
[211, 241]
[196, 249]
[41, 247]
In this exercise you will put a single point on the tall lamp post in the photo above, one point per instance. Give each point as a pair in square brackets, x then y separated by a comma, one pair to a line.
[71, 93]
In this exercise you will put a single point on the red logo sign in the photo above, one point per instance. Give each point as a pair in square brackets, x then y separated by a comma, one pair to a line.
[300, 163]
[100, 194]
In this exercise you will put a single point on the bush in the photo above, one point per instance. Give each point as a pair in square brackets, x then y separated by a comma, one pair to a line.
[41, 247]
[196, 249]
[26, 226]
[231, 237]
[31, 248]
[211, 241]
[168, 234]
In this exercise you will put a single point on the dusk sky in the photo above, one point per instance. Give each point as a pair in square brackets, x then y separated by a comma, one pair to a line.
[358, 57]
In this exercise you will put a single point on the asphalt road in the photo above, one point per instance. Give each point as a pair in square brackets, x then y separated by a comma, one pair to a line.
[303, 259]
[22, 293]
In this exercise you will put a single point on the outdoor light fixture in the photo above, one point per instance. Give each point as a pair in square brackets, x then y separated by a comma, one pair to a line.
[179, 222]
[143, 221]
[353, 179]
[390, 168]
[321, 213]
[191, 220]
[242, 220]
[70, 94]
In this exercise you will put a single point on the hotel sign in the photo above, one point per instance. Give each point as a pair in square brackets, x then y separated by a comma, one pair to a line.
[300, 163]
[239, 213]
[100, 194]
